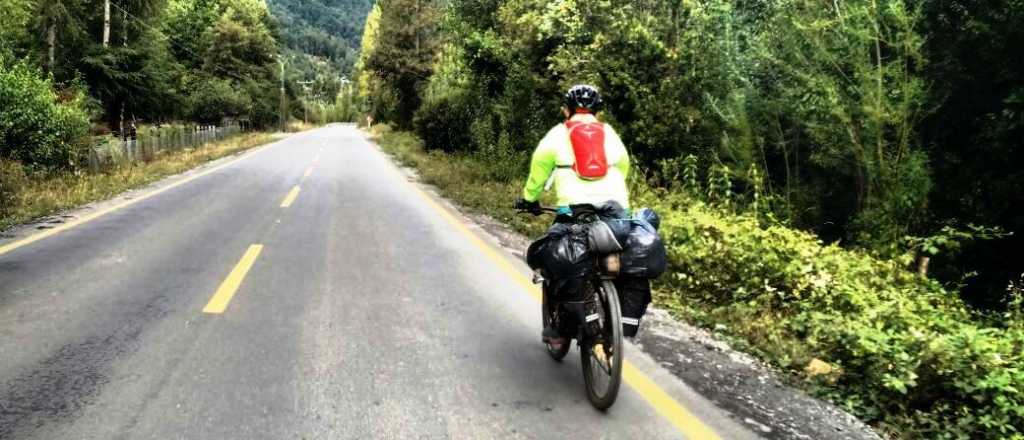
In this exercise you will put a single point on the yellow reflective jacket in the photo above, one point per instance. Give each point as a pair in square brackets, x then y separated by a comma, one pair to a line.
[554, 158]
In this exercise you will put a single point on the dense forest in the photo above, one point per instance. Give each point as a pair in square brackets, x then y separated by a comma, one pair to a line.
[72, 69]
[321, 37]
[882, 125]
[889, 131]
[327, 29]
[151, 61]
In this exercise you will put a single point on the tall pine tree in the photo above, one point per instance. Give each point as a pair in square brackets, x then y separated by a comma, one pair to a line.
[403, 59]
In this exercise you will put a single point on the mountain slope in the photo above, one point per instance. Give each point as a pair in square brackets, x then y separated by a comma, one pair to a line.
[326, 32]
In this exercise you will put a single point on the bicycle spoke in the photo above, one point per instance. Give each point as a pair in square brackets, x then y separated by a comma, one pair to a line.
[605, 363]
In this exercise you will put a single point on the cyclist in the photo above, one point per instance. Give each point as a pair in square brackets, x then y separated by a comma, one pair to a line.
[556, 158]
[583, 159]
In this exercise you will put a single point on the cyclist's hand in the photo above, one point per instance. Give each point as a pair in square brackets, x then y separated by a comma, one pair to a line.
[527, 206]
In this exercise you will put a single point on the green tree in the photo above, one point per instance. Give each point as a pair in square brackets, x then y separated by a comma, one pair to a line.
[15, 16]
[59, 23]
[322, 31]
[369, 87]
[187, 25]
[403, 60]
[38, 127]
[973, 139]
[850, 75]
[241, 44]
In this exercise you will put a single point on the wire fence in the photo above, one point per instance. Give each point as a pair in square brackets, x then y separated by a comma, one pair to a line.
[149, 142]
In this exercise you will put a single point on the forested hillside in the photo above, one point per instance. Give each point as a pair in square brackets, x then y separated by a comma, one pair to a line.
[841, 181]
[326, 30]
[320, 39]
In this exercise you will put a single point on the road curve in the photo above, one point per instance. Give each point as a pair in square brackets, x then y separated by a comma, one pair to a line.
[302, 290]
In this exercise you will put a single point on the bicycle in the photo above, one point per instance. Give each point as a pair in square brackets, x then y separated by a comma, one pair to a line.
[599, 336]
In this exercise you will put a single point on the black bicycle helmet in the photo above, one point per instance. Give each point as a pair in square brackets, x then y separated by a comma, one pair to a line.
[583, 96]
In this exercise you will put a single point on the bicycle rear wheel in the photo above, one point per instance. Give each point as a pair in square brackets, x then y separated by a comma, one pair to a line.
[548, 311]
[601, 355]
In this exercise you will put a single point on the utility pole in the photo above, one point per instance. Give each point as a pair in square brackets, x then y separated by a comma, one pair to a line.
[106, 23]
[284, 102]
[124, 41]
[346, 89]
[305, 99]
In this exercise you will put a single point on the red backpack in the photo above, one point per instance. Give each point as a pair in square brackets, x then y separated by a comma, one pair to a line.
[588, 147]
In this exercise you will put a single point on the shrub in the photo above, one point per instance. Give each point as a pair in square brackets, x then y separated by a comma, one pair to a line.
[37, 127]
[213, 99]
[263, 110]
[908, 355]
[443, 122]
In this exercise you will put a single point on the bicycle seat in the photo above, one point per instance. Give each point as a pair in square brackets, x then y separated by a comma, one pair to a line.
[587, 212]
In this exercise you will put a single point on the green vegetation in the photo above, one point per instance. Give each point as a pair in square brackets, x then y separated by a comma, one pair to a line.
[160, 61]
[826, 172]
[69, 77]
[322, 31]
[156, 61]
[903, 352]
[39, 127]
[320, 40]
[852, 113]
[229, 68]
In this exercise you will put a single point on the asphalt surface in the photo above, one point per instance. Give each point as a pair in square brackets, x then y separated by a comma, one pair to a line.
[368, 313]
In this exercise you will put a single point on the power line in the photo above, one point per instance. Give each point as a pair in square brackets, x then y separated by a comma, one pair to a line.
[161, 34]
[158, 31]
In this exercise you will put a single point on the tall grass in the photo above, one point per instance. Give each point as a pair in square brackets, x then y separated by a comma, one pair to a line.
[39, 195]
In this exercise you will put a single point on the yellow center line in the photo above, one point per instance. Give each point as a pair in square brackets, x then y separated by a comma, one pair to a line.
[661, 401]
[227, 289]
[308, 172]
[93, 216]
[290, 198]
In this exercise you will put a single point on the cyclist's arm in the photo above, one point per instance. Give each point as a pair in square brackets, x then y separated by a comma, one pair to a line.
[542, 164]
[615, 142]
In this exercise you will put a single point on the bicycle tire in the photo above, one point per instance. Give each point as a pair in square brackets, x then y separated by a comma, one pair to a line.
[612, 334]
[546, 312]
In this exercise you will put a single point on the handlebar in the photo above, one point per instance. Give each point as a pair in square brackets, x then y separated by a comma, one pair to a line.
[543, 209]
[540, 210]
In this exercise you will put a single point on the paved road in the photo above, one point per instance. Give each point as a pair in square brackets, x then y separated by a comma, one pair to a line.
[353, 307]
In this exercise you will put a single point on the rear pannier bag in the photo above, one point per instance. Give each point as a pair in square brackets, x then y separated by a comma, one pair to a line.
[614, 215]
[634, 297]
[588, 148]
[648, 215]
[563, 256]
[602, 239]
[644, 255]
